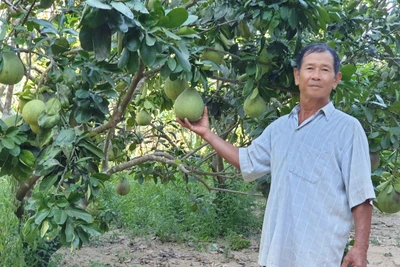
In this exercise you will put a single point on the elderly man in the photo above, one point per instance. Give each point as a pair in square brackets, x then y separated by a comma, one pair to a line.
[319, 162]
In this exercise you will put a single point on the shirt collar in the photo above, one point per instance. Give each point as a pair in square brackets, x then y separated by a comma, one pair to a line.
[327, 110]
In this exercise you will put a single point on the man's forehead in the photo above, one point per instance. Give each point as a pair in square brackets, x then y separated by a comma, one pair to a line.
[319, 58]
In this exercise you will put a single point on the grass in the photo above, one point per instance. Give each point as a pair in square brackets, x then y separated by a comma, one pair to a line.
[177, 212]
[11, 250]
[173, 212]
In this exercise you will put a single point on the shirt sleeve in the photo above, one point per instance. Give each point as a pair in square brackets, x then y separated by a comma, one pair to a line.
[356, 168]
[255, 160]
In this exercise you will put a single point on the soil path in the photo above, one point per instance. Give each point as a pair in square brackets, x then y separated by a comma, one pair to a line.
[116, 249]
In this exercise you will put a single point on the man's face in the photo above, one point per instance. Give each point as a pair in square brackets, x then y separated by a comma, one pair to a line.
[316, 77]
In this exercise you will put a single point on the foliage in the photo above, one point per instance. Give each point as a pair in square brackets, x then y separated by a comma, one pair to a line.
[237, 242]
[164, 211]
[10, 241]
[97, 63]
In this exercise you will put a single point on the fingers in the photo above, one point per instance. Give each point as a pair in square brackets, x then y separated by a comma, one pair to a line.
[188, 124]
[205, 112]
[345, 263]
[185, 123]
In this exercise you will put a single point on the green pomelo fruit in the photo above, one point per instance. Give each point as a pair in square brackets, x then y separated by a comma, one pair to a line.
[13, 120]
[123, 187]
[143, 118]
[375, 160]
[254, 107]
[32, 110]
[389, 202]
[214, 56]
[69, 76]
[13, 70]
[189, 105]
[35, 128]
[174, 88]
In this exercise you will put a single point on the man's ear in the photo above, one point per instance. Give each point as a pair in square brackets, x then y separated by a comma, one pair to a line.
[296, 76]
[337, 79]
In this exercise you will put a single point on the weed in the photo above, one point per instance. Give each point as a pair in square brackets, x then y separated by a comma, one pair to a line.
[181, 212]
[237, 241]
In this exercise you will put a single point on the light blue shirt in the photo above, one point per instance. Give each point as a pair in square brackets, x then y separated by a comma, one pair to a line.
[319, 171]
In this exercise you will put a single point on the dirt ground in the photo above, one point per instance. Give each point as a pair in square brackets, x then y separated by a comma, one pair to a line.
[116, 249]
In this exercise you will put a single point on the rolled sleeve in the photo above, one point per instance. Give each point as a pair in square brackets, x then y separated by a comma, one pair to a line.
[255, 160]
[356, 169]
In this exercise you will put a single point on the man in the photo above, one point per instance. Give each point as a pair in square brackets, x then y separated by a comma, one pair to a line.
[319, 162]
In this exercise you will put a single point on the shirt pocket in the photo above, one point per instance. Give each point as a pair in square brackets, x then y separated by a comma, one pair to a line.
[309, 164]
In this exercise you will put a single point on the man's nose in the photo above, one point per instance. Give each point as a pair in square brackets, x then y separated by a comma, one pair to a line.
[315, 75]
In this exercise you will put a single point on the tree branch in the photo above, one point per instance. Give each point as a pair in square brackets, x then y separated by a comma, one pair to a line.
[8, 101]
[227, 80]
[218, 26]
[116, 117]
[190, 4]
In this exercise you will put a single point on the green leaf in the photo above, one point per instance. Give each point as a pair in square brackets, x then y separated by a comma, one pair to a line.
[82, 114]
[395, 107]
[3, 31]
[62, 202]
[41, 215]
[101, 176]
[85, 38]
[102, 42]
[8, 142]
[66, 136]
[98, 4]
[101, 103]
[123, 9]
[53, 106]
[60, 216]
[324, 14]
[248, 86]
[133, 62]
[79, 214]
[92, 148]
[47, 25]
[293, 18]
[27, 158]
[45, 228]
[48, 181]
[48, 121]
[148, 53]
[347, 71]
[133, 42]
[46, 167]
[15, 151]
[254, 94]
[175, 18]
[368, 113]
[182, 60]
[190, 20]
[91, 229]
[12, 131]
[69, 231]
[82, 94]
[284, 12]
[150, 40]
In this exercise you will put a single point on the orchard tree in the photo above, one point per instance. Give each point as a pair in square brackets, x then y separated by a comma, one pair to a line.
[100, 78]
